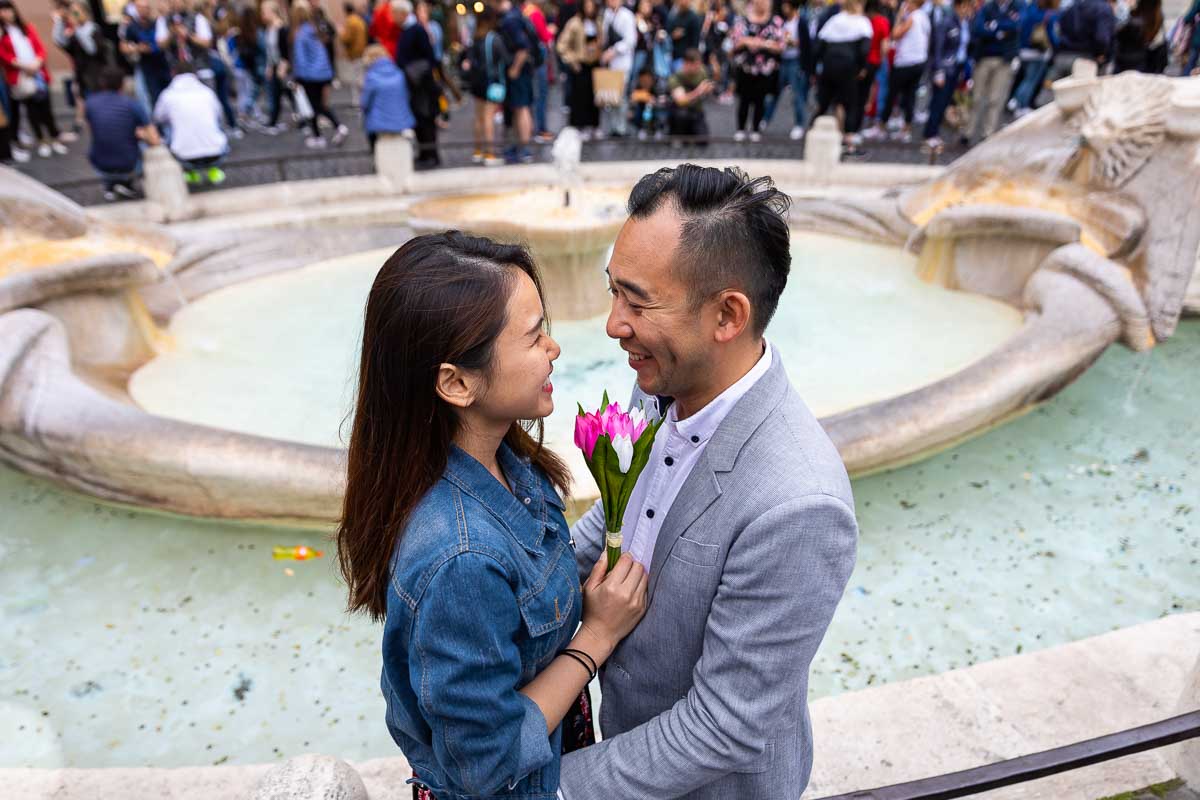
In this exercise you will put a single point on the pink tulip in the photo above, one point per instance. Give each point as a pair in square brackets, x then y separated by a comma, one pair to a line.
[587, 431]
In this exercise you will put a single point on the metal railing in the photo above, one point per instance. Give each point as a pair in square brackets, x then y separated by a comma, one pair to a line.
[1038, 765]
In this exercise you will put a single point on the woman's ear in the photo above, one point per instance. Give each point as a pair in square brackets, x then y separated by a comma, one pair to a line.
[455, 386]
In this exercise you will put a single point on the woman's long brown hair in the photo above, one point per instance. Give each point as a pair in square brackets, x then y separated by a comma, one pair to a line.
[440, 299]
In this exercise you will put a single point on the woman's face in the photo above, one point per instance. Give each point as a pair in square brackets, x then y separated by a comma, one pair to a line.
[518, 386]
[8, 16]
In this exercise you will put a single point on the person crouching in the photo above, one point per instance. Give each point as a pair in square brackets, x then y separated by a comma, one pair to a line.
[191, 114]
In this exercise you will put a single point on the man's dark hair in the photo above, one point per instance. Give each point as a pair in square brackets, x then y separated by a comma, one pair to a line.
[691, 55]
[183, 68]
[112, 78]
[734, 233]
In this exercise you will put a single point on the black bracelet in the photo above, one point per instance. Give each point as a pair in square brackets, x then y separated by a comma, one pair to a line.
[595, 667]
[582, 663]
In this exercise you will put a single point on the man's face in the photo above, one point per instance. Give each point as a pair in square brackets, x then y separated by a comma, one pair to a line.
[143, 9]
[669, 343]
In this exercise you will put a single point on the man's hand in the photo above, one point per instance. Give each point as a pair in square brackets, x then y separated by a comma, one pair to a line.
[939, 79]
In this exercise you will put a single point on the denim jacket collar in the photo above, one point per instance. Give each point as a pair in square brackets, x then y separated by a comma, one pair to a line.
[523, 511]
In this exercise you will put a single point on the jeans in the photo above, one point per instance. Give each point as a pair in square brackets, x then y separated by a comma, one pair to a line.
[881, 87]
[1193, 57]
[940, 101]
[247, 91]
[541, 92]
[639, 63]
[220, 74]
[791, 75]
[1031, 84]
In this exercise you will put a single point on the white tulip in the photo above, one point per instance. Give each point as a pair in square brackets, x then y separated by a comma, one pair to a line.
[624, 450]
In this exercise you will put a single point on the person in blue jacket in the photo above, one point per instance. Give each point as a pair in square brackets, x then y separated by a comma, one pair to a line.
[995, 35]
[313, 71]
[385, 105]
[948, 47]
[1036, 44]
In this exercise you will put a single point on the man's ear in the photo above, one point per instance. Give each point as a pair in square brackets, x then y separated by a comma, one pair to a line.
[733, 315]
[456, 386]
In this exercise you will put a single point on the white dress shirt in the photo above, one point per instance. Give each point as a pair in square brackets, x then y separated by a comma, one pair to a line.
[677, 447]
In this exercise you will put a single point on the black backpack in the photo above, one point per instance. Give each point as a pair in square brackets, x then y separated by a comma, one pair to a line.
[537, 53]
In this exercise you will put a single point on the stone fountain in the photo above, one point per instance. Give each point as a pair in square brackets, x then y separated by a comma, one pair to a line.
[1082, 216]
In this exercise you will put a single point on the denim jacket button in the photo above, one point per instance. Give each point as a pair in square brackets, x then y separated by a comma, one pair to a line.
[525, 500]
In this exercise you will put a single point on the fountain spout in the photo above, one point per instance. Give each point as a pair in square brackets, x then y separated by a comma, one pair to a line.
[567, 153]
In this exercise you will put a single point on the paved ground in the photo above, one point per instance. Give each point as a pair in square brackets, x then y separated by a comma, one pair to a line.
[1173, 790]
[259, 159]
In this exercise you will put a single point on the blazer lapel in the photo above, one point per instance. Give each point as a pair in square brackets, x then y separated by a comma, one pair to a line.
[698, 492]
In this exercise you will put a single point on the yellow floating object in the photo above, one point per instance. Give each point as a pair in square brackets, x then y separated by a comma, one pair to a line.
[300, 553]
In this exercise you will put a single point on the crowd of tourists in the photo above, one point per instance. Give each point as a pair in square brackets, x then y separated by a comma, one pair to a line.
[201, 73]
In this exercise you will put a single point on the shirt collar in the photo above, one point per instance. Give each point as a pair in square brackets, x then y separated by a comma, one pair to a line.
[522, 511]
[696, 430]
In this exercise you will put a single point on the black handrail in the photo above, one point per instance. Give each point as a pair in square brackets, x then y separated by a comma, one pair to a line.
[1038, 765]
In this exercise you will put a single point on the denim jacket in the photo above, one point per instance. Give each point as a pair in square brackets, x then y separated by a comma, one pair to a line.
[484, 594]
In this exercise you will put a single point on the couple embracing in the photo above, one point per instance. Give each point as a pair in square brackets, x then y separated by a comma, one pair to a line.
[740, 534]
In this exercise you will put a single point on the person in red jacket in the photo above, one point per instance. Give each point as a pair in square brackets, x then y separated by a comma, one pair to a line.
[384, 28]
[23, 59]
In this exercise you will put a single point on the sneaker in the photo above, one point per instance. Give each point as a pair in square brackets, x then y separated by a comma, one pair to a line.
[26, 139]
[237, 133]
[1011, 105]
[934, 143]
[904, 137]
[59, 148]
[492, 160]
[797, 133]
[44, 150]
[739, 136]
[20, 155]
[875, 132]
[895, 124]
[315, 143]
[191, 177]
[66, 137]
[755, 137]
[340, 135]
[478, 157]
[124, 191]
[109, 196]
[525, 157]
[1021, 112]
[643, 135]
[216, 176]
[599, 134]
[545, 137]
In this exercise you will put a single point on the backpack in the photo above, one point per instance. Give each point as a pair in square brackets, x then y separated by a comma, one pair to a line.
[537, 53]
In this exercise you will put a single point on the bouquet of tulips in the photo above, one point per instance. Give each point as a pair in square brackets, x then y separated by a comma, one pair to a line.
[616, 446]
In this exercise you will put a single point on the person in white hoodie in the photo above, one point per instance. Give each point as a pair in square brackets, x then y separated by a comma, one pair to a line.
[620, 41]
[843, 44]
[192, 114]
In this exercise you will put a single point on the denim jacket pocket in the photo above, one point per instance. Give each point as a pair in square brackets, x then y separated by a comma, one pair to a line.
[544, 613]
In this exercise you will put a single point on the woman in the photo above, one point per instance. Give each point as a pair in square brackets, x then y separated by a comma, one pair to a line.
[910, 39]
[579, 49]
[718, 22]
[1141, 43]
[485, 64]
[23, 58]
[843, 46]
[453, 532]
[758, 40]
[314, 73]
[276, 55]
[87, 47]
[246, 43]
[795, 65]
[385, 105]
[881, 28]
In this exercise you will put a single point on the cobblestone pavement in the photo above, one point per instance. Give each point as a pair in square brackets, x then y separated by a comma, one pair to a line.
[1172, 790]
[259, 158]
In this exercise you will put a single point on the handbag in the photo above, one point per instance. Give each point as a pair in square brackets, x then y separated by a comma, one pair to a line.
[496, 90]
[304, 109]
[25, 87]
[609, 86]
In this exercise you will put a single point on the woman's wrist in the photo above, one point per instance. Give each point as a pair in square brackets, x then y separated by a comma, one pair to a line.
[592, 643]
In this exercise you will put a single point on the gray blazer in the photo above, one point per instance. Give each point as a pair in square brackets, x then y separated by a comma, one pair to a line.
[708, 697]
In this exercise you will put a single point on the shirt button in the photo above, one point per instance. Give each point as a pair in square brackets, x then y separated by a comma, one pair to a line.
[695, 440]
[525, 500]
[670, 462]
[650, 513]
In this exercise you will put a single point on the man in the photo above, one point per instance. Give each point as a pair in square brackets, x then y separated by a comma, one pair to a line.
[541, 75]
[689, 88]
[118, 123]
[996, 33]
[950, 40]
[139, 45]
[353, 37]
[620, 40]
[743, 516]
[519, 90]
[1085, 30]
[415, 56]
[684, 27]
[192, 114]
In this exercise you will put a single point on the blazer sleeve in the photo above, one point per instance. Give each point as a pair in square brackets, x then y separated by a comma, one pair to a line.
[782, 581]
